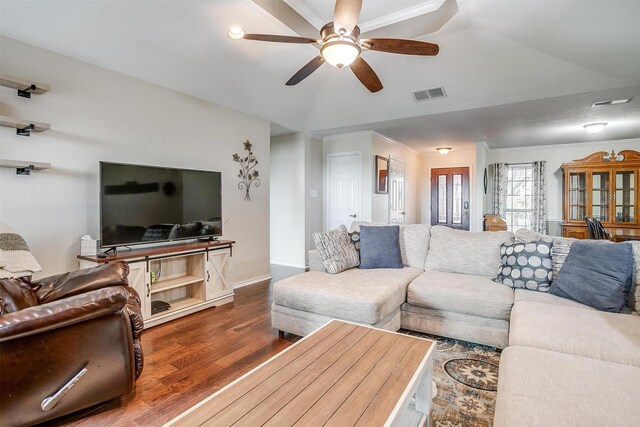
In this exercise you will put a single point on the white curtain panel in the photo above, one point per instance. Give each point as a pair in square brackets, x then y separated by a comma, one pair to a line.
[499, 188]
[539, 208]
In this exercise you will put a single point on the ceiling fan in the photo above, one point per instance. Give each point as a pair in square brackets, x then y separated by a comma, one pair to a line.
[341, 46]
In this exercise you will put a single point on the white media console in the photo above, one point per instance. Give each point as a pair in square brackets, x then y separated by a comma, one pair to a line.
[189, 277]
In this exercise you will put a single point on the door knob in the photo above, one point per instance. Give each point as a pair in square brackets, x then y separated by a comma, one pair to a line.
[353, 216]
[466, 205]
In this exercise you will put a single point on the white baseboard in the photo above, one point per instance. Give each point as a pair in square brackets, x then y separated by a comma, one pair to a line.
[252, 281]
[286, 264]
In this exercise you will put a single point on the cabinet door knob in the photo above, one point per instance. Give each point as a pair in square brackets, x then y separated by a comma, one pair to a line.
[353, 216]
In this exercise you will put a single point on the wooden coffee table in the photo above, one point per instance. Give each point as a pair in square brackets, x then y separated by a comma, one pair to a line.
[342, 374]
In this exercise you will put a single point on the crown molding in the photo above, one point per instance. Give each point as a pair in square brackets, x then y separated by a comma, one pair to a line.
[401, 15]
[396, 143]
[373, 24]
[484, 145]
[347, 134]
[306, 13]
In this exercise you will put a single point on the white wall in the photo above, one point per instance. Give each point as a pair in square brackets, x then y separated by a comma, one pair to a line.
[96, 114]
[287, 190]
[296, 172]
[386, 147]
[454, 159]
[555, 155]
[313, 183]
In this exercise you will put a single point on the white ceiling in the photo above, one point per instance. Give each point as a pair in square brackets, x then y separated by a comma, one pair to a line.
[517, 72]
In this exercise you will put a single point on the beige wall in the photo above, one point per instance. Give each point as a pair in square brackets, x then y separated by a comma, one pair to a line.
[287, 188]
[296, 172]
[95, 115]
[313, 183]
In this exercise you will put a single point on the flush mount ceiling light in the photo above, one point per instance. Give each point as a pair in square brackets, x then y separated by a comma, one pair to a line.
[594, 127]
[236, 33]
[443, 150]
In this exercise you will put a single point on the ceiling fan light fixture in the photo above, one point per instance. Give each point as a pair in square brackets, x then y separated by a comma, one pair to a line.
[340, 53]
[443, 150]
[236, 33]
[595, 127]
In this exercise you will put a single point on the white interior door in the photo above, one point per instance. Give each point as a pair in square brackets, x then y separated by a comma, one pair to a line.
[396, 192]
[344, 195]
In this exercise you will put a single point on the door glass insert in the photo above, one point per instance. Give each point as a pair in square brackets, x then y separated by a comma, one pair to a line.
[625, 196]
[442, 198]
[577, 195]
[457, 199]
[600, 196]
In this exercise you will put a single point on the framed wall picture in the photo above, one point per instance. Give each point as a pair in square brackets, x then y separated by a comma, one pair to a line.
[382, 175]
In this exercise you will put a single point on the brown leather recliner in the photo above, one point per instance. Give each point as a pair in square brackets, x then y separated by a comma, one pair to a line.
[67, 342]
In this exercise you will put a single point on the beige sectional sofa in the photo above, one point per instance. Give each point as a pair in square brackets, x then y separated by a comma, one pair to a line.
[563, 363]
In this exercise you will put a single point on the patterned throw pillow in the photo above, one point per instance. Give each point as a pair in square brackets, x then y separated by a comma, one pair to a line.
[526, 266]
[354, 237]
[336, 250]
[559, 252]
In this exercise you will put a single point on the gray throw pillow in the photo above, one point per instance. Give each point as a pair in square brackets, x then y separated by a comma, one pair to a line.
[526, 266]
[596, 274]
[380, 247]
[336, 250]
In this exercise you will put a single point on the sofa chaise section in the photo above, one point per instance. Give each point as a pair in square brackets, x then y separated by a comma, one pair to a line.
[305, 302]
[595, 334]
[546, 388]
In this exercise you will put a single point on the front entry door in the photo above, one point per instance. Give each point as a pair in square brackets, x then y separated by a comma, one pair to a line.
[344, 189]
[396, 192]
[450, 197]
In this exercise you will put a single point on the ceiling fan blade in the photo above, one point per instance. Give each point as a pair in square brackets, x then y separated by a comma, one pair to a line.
[305, 71]
[346, 14]
[366, 75]
[279, 39]
[405, 47]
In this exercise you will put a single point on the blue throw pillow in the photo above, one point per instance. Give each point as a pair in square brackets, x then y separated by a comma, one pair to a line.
[380, 247]
[596, 274]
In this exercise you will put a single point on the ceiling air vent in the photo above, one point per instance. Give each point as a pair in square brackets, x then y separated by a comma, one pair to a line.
[423, 95]
[610, 102]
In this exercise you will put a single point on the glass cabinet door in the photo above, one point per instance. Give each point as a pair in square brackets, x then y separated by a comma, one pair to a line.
[625, 196]
[600, 196]
[577, 195]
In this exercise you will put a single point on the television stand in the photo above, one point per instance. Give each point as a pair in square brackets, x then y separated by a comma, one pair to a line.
[186, 277]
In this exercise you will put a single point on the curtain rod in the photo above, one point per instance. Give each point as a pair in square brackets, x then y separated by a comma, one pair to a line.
[522, 163]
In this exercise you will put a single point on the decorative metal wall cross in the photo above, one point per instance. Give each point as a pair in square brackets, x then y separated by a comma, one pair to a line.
[248, 173]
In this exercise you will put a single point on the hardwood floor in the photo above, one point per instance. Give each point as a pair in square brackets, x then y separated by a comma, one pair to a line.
[190, 358]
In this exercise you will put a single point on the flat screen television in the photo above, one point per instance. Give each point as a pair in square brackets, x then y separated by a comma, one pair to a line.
[148, 204]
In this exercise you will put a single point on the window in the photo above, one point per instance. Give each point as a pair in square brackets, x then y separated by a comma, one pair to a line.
[519, 197]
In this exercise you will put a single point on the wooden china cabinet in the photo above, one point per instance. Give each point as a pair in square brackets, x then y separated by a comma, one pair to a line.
[603, 186]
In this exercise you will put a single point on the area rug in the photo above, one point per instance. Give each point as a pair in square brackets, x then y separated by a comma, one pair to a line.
[466, 378]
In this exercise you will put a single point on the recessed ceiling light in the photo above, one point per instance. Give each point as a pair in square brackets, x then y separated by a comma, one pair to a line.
[236, 33]
[443, 150]
[594, 127]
